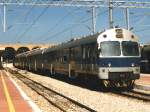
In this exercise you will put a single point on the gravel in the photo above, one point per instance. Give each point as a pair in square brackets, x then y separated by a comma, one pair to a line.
[99, 101]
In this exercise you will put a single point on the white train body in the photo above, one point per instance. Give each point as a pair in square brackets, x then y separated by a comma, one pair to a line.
[122, 61]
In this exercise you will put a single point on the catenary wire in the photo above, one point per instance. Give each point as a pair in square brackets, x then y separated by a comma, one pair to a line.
[64, 30]
[27, 30]
[56, 25]
[25, 16]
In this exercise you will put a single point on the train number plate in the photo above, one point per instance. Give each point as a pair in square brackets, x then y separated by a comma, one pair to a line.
[122, 75]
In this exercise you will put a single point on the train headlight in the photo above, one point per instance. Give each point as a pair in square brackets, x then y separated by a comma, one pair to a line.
[132, 64]
[109, 64]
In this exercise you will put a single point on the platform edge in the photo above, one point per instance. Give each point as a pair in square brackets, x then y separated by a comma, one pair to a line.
[34, 107]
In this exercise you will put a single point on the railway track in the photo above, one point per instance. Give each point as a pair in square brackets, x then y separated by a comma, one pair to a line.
[134, 94]
[63, 103]
[66, 104]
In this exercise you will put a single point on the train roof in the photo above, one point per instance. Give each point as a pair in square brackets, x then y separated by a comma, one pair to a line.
[75, 42]
[111, 33]
[24, 54]
[117, 34]
[71, 43]
[35, 52]
[30, 53]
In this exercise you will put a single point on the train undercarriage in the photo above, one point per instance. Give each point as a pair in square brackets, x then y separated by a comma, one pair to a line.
[118, 83]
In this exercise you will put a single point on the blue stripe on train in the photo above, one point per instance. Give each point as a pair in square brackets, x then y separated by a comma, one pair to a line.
[118, 62]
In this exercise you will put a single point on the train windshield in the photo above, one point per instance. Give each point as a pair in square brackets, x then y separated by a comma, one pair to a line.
[110, 48]
[130, 48]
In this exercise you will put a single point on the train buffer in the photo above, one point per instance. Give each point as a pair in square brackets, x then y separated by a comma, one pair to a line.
[12, 99]
[144, 82]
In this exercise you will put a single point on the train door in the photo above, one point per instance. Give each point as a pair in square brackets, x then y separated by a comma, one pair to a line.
[71, 62]
[84, 57]
[29, 63]
[35, 63]
[89, 56]
[74, 60]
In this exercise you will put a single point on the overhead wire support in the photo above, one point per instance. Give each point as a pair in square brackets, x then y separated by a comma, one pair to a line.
[93, 20]
[4, 18]
[78, 3]
[110, 14]
[127, 18]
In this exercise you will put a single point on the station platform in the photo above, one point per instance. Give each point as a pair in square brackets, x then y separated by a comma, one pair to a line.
[143, 82]
[11, 99]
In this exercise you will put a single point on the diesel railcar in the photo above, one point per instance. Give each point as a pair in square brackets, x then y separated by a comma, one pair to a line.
[113, 56]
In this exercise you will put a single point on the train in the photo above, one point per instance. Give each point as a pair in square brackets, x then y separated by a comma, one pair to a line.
[112, 56]
[145, 59]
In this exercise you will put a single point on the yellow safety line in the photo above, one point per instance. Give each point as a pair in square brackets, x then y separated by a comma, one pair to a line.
[9, 101]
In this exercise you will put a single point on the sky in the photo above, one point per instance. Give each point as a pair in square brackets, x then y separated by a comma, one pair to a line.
[41, 24]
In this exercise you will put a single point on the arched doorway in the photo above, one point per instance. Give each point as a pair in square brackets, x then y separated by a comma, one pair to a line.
[22, 49]
[9, 54]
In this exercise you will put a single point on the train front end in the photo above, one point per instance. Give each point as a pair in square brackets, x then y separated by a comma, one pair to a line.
[119, 57]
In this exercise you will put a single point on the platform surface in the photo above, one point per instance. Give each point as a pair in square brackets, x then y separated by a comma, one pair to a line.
[10, 98]
[144, 80]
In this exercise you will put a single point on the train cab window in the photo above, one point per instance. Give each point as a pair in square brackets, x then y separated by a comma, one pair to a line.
[130, 48]
[110, 48]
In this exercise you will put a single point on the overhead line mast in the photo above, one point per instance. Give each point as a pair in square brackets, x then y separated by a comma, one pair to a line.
[127, 18]
[4, 19]
[110, 14]
[93, 20]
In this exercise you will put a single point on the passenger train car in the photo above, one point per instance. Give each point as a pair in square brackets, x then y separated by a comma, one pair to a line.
[113, 56]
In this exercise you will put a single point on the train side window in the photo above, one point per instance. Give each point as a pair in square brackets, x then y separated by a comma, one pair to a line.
[88, 52]
[65, 58]
[84, 53]
[72, 53]
[65, 54]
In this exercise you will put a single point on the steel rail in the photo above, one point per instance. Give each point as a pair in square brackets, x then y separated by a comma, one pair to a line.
[48, 92]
